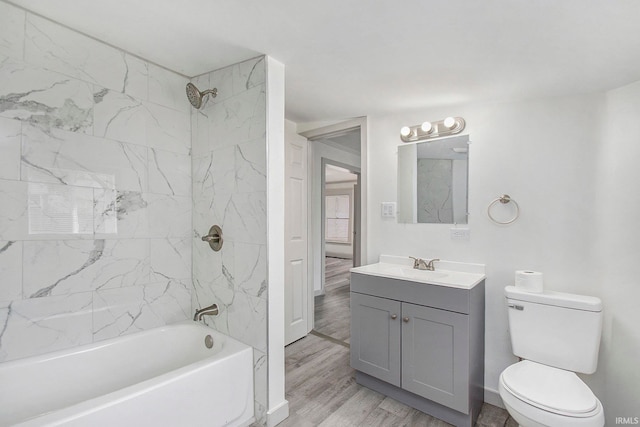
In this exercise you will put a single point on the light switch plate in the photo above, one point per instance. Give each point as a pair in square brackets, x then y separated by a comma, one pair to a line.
[388, 209]
[460, 233]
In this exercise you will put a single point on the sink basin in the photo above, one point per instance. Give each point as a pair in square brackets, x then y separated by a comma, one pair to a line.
[410, 272]
[444, 277]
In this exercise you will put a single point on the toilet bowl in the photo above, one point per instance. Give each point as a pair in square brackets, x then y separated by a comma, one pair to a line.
[538, 395]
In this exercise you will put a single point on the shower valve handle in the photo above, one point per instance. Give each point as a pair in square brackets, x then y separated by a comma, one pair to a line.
[214, 238]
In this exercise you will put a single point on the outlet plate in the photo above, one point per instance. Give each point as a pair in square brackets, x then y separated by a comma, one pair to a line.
[460, 233]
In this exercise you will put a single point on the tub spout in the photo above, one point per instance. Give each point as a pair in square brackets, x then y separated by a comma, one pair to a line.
[212, 310]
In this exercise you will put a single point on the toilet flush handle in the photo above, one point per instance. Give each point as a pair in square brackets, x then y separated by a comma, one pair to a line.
[516, 306]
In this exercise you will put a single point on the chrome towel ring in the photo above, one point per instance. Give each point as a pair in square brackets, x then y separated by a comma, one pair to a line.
[504, 199]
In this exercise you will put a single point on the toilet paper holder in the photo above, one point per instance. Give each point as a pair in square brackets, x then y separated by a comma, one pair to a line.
[504, 199]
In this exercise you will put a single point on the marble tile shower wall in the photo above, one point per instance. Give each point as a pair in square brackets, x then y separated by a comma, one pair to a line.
[229, 189]
[95, 190]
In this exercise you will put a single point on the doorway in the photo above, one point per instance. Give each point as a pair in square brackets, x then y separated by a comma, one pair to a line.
[335, 223]
[342, 146]
[340, 241]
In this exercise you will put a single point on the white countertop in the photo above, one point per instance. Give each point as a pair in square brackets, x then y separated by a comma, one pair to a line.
[447, 273]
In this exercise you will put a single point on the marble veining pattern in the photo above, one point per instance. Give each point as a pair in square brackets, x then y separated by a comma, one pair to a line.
[167, 88]
[13, 210]
[72, 159]
[127, 310]
[78, 117]
[260, 385]
[229, 189]
[69, 266]
[169, 173]
[10, 270]
[170, 258]
[121, 214]
[60, 49]
[10, 133]
[119, 116]
[435, 203]
[250, 160]
[12, 36]
[39, 325]
[95, 183]
[44, 98]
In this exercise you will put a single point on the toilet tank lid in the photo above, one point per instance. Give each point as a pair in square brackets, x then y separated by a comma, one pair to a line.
[559, 299]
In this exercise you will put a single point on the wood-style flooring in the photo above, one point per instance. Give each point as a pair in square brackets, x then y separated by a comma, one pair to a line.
[332, 314]
[320, 384]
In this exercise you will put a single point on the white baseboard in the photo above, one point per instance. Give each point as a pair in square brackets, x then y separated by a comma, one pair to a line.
[278, 414]
[492, 397]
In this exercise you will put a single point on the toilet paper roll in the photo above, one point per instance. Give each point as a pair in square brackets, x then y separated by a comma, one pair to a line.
[529, 281]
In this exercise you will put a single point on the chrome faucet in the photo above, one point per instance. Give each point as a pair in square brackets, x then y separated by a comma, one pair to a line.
[212, 310]
[420, 264]
[430, 265]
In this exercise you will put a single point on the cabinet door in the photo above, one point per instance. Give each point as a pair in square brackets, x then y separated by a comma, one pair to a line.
[375, 337]
[435, 353]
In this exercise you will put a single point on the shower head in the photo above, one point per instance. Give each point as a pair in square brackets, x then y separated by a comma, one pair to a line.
[195, 96]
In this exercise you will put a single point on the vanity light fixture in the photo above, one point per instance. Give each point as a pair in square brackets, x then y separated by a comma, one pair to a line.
[449, 122]
[426, 127]
[405, 131]
[428, 130]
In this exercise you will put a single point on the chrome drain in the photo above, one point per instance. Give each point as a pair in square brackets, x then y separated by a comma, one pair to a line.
[208, 341]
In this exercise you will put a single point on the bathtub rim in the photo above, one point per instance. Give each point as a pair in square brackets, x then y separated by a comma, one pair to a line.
[39, 358]
[75, 410]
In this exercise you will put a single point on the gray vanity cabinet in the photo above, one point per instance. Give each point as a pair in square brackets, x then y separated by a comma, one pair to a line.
[375, 343]
[420, 344]
[434, 365]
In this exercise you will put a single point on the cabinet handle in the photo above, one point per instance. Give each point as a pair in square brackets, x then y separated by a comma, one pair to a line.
[394, 316]
[405, 319]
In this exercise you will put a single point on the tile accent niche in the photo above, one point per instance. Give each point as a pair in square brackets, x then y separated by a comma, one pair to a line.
[95, 190]
[230, 190]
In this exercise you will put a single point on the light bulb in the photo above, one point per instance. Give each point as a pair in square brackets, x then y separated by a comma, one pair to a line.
[426, 127]
[405, 131]
[449, 122]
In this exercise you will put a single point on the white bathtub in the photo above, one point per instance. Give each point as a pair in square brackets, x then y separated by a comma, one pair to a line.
[161, 377]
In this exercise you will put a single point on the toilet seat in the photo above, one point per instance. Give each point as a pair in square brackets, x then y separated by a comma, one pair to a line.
[550, 389]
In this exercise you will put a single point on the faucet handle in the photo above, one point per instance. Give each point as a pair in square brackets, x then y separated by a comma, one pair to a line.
[430, 265]
[416, 261]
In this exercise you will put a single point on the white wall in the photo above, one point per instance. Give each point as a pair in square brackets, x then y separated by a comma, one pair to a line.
[543, 154]
[278, 407]
[618, 244]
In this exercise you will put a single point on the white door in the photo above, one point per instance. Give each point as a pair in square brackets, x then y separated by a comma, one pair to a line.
[295, 223]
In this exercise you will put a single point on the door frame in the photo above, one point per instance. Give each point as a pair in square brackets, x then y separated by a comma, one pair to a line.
[316, 247]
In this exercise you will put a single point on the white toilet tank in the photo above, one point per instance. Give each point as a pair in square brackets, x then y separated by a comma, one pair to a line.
[555, 329]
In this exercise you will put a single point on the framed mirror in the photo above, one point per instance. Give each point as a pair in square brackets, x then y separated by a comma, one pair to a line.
[433, 179]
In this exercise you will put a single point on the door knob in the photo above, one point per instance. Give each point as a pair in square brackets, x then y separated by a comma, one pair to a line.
[405, 319]
[394, 316]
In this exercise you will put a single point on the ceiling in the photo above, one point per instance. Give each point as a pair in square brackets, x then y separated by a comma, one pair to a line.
[353, 58]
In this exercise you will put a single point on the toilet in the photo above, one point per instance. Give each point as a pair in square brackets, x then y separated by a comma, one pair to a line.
[556, 335]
